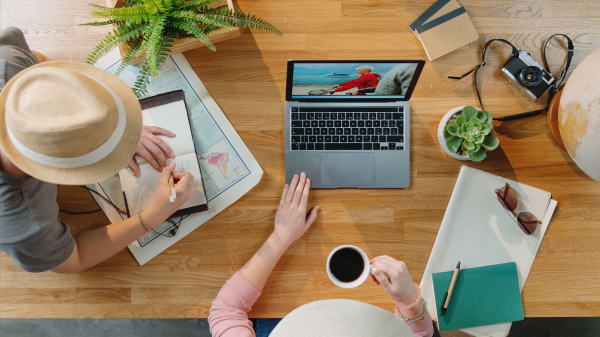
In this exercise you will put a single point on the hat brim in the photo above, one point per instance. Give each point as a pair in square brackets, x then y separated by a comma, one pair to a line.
[89, 174]
[340, 317]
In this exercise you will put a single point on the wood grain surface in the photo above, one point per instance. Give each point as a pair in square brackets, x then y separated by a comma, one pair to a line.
[246, 76]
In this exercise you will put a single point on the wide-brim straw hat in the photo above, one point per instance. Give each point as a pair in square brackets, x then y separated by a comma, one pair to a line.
[340, 317]
[69, 123]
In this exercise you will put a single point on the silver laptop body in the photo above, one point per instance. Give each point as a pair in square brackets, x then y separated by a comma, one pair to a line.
[341, 140]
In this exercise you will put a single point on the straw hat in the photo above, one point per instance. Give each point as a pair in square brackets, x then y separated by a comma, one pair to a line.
[340, 317]
[69, 123]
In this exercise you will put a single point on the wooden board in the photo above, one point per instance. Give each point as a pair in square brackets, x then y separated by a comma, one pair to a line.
[246, 76]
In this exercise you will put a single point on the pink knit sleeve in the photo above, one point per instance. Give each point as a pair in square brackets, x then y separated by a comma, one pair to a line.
[228, 316]
[424, 329]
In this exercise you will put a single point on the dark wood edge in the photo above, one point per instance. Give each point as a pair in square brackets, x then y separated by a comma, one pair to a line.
[190, 210]
[162, 99]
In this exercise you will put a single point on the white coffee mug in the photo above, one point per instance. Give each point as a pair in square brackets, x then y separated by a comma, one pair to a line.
[367, 269]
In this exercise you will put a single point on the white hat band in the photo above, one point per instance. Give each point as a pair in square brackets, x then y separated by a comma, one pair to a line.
[87, 159]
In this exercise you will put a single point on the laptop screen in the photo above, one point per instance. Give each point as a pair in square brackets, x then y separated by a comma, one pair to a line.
[352, 80]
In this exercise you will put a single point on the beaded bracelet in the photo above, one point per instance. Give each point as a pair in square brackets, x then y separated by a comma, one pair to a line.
[413, 303]
[413, 320]
[143, 222]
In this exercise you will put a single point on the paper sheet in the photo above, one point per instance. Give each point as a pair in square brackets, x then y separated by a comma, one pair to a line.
[140, 190]
[478, 231]
[228, 168]
[171, 117]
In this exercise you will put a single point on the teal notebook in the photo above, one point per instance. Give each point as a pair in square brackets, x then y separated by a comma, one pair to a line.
[481, 296]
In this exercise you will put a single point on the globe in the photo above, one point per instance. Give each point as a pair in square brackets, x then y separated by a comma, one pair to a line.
[579, 115]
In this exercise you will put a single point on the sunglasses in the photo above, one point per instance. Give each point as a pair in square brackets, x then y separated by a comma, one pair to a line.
[509, 200]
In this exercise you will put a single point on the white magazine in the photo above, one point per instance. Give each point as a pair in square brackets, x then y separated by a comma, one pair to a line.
[477, 231]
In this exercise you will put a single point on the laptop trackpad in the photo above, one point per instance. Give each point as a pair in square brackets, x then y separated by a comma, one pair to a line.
[347, 169]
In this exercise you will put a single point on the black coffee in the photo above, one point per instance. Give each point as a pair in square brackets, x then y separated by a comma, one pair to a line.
[346, 264]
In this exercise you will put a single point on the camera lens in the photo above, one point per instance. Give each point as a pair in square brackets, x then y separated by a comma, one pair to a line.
[530, 76]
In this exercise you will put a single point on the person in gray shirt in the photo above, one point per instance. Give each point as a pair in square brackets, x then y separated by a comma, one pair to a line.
[397, 80]
[30, 230]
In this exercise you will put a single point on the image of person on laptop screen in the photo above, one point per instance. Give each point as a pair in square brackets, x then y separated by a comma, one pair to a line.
[366, 83]
[397, 80]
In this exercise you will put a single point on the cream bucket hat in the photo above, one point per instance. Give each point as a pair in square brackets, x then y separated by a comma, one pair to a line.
[340, 317]
[69, 123]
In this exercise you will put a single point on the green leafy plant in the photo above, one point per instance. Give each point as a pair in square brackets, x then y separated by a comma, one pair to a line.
[151, 26]
[471, 133]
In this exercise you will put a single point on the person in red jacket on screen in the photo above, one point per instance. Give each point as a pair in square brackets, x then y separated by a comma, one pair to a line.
[367, 79]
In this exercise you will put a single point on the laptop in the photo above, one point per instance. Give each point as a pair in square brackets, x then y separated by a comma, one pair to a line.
[347, 122]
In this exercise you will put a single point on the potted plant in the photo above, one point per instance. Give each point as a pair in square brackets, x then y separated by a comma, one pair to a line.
[152, 26]
[467, 133]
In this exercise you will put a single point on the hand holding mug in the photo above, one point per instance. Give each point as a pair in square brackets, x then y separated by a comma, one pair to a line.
[394, 279]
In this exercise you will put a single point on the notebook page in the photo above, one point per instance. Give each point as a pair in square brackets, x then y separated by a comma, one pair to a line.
[172, 117]
[140, 190]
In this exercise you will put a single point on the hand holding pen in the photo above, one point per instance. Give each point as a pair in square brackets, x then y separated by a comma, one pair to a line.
[172, 189]
[183, 183]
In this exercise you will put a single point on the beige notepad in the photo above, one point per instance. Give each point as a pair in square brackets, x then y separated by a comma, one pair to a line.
[440, 8]
[447, 33]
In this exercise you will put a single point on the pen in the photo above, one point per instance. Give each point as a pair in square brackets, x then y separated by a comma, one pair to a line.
[449, 292]
[172, 187]
[126, 205]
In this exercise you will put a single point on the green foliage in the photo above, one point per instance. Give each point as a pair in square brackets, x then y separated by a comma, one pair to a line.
[472, 133]
[150, 26]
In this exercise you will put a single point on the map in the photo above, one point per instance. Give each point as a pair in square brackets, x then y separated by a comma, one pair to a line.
[207, 135]
[222, 165]
[228, 168]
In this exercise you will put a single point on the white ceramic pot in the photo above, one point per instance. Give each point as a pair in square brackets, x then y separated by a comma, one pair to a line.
[441, 138]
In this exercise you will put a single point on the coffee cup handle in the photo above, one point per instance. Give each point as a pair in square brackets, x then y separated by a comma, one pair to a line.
[371, 271]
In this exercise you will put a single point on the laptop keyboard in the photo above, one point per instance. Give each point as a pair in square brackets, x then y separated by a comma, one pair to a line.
[345, 128]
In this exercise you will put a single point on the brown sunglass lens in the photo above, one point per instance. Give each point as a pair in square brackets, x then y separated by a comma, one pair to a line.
[510, 199]
[528, 222]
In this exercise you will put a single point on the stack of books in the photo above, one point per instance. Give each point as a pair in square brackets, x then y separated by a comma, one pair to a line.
[443, 28]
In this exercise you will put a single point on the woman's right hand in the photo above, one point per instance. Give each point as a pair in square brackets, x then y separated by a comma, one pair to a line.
[161, 207]
[394, 279]
[291, 221]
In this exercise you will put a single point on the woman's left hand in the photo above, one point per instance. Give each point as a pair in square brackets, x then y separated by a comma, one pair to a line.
[291, 221]
[152, 149]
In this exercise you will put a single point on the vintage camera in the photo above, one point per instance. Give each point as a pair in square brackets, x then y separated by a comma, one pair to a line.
[527, 75]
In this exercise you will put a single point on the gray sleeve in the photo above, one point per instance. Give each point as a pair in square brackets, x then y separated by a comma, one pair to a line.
[43, 251]
[15, 54]
[397, 80]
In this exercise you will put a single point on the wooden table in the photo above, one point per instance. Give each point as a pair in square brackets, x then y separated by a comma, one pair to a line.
[246, 76]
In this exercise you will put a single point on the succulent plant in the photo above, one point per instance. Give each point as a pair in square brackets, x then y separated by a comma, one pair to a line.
[472, 133]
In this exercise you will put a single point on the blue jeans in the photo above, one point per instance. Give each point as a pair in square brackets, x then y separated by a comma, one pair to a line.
[264, 326]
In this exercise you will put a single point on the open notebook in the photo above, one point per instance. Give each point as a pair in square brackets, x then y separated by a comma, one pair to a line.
[478, 231]
[167, 111]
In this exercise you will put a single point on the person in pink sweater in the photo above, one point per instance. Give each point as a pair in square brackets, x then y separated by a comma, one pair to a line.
[228, 316]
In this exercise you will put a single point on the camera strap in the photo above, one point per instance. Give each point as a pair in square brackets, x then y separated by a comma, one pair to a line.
[515, 53]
